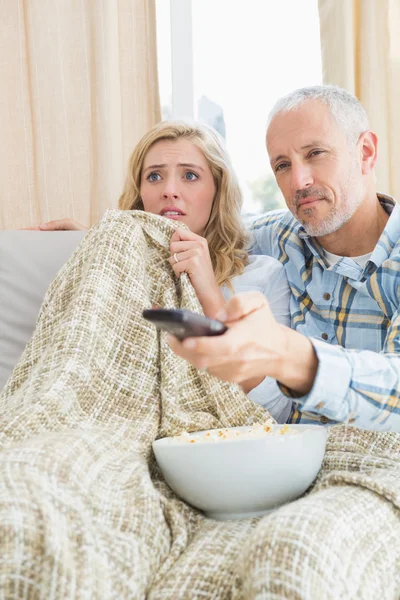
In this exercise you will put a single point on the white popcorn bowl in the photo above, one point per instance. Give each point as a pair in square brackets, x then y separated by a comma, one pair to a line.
[242, 478]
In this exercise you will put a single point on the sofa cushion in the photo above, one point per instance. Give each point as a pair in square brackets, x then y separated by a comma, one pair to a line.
[29, 261]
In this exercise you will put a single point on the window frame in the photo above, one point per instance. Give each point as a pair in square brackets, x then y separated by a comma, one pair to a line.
[182, 59]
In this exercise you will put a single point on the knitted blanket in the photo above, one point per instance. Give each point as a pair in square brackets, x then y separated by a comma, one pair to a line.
[84, 510]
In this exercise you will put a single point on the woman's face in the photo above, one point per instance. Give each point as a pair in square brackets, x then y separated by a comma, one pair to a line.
[177, 183]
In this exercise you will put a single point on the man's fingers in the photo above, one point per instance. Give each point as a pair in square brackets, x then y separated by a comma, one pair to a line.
[58, 225]
[62, 225]
[215, 365]
[185, 351]
[244, 304]
[211, 348]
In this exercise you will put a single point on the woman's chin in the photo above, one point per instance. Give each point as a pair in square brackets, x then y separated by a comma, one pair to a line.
[174, 217]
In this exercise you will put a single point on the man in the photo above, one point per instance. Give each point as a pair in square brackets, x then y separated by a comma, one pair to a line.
[339, 245]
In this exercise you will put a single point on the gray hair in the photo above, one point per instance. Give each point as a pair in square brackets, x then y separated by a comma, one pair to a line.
[345, 108]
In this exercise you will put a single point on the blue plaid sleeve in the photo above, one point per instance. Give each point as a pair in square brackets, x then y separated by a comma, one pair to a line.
[360, 387]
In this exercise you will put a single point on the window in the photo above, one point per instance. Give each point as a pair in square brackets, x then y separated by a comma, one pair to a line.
[237, 58]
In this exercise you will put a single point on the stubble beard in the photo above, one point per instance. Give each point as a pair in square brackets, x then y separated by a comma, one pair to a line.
[337, 216]
[318, 228]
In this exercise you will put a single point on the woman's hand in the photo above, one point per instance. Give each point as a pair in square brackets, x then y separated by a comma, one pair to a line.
[190, 254]
[59, 225]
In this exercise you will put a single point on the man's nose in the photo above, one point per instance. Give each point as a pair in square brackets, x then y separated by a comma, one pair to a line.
[301, 177]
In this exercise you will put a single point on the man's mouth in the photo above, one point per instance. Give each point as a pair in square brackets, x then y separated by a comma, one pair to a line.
[308, 200]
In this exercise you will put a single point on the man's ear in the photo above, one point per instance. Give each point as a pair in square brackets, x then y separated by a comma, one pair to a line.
[368, 147]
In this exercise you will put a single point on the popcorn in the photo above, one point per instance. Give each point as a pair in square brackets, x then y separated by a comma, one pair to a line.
[219, 435]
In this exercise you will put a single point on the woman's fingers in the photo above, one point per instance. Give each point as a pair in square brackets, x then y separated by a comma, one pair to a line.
[184, 235]
[181, 246]
[185, 261]
[183, 240]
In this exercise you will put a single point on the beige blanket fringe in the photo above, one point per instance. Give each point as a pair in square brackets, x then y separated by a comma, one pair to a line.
[84, 512]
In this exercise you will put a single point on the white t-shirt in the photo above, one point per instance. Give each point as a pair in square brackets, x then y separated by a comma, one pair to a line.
[360, 260]
[266, 274]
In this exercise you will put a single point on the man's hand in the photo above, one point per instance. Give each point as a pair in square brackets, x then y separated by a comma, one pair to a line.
[59, 225]
[255, 346]
[191, 252]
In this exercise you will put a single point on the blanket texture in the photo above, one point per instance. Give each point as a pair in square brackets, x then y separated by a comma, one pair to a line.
[84, 511]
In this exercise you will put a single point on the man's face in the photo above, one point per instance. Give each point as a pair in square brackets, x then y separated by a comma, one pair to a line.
[316, 167]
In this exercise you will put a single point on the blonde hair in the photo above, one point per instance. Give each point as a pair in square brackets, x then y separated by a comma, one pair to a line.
[225, 232]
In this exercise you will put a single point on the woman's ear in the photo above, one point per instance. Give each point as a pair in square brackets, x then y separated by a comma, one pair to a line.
[368, 144]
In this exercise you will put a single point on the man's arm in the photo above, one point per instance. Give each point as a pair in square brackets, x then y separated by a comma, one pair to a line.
[358, 386]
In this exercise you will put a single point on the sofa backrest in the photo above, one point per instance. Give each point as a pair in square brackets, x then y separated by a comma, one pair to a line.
[29, 261]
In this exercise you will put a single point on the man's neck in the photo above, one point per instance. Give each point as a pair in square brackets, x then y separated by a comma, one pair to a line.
[360, 234]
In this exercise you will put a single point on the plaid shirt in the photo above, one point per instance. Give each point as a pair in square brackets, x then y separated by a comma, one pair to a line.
[355, 310]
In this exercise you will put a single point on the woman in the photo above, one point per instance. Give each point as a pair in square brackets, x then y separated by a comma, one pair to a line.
[181, 171]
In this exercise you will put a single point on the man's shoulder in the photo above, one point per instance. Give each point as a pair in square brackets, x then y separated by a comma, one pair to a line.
[279, 219]
[268, 230]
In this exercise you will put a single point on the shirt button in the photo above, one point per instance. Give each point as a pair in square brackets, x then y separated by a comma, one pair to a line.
[324, 336]
[327, 296]
[324, 419]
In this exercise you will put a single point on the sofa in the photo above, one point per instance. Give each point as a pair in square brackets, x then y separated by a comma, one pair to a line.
[29, 261]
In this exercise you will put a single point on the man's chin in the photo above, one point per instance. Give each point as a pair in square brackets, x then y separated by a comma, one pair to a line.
[320, 228]
[313, 215]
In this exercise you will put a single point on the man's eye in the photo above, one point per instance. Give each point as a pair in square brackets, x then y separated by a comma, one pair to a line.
[190, 176]
[153, 177]
[281, 166]
[316, 152]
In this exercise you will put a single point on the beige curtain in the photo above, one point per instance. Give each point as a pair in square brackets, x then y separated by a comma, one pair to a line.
[360, 42]
[78, 88]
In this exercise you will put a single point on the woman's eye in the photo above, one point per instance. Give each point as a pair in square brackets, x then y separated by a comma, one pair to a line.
[153, 177]
[190, 176]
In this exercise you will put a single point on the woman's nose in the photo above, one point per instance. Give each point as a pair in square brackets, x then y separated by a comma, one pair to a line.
[170, 194]
[170, 189]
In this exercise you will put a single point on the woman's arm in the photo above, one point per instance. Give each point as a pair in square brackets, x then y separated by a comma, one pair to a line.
[190, 254]
[267, 275]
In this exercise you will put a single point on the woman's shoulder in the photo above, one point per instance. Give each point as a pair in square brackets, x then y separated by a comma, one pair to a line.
[262, 261]
[258, 273]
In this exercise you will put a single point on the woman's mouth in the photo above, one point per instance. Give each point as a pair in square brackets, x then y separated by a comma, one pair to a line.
[172, 213]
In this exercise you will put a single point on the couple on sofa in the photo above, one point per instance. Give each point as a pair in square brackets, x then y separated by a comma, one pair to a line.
[329, 268]
[337, 247]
